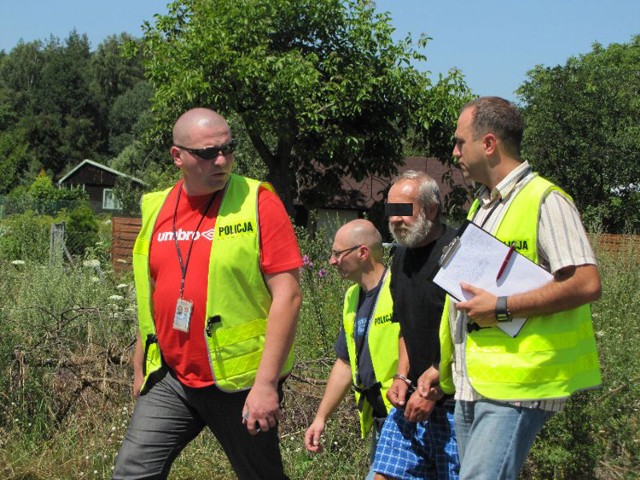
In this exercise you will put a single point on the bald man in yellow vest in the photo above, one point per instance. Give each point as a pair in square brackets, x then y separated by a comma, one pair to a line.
[216, 274]
[367, 345]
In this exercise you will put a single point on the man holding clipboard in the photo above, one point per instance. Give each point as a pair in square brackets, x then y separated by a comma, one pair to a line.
[506, 386]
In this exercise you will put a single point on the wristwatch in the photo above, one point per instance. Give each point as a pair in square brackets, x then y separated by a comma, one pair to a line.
[502, 311]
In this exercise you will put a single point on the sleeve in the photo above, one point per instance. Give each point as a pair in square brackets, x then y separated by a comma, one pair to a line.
[562, 239]
[279, 250]
[341, 346]
[395, 265]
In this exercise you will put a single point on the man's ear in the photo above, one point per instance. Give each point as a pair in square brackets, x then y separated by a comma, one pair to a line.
[432, 211]
[490, 143]
[175, 154]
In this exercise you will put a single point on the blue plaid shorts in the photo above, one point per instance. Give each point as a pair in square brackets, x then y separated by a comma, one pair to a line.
[425, 450]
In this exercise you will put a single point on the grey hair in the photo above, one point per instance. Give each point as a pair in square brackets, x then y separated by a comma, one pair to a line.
[428, 189]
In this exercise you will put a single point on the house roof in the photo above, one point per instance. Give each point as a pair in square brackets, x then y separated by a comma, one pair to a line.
[86, 162]
[362, 195]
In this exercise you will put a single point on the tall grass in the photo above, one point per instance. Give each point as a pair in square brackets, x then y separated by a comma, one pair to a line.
[65, 379]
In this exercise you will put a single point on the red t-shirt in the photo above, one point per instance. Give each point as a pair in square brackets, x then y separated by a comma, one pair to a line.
[186, 352]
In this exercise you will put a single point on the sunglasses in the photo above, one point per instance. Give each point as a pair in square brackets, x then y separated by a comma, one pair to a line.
[210, 153]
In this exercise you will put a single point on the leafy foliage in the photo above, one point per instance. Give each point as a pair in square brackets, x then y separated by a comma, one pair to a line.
[60, 103]
[82, 229]
[65, 379]
[320, 87]
[583, 131]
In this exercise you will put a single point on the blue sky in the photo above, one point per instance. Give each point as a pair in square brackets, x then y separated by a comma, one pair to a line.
[493, 42]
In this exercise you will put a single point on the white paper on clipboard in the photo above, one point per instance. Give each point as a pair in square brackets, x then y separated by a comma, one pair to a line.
[476, 259]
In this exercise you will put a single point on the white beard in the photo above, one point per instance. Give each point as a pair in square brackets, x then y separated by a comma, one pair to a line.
[414, 235]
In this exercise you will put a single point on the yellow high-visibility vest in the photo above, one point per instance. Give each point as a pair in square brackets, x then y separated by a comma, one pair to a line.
[383, 345]
[553, 355]
[238, 300]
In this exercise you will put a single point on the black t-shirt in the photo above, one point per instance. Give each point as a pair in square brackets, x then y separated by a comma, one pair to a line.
[366, 303]
[418, 302]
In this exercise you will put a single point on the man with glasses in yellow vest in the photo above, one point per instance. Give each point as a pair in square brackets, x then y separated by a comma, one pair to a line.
[216, 274]
[507, 387]
[367, 345]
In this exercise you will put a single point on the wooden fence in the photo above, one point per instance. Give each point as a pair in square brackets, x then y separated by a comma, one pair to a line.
[616, 244]
[124, 232]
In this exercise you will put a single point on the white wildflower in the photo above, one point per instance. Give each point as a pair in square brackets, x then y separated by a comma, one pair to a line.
[122, 286]
[91, 263]
[17, 262]
[116, 297]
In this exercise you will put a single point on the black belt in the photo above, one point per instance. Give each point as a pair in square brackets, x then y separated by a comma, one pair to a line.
[373, 394]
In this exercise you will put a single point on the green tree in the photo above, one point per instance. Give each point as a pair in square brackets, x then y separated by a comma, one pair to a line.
[583, 131]
[320, 87]
[15, 159]
[129, 116]
[112, 72]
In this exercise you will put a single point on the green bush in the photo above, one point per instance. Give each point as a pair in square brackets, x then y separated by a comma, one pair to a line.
[596, 435]
[65, 379]
[81, 229]
[25, 237]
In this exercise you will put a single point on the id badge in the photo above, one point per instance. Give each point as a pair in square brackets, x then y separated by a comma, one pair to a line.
[182, 318]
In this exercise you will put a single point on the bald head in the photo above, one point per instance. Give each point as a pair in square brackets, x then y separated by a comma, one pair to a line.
[362, 232]
[197, 119]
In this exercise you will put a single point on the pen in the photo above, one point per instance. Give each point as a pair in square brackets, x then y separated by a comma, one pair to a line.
[505, 261]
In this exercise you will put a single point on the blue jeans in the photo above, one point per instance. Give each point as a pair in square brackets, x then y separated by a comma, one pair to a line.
[494, 438]
[375, 436]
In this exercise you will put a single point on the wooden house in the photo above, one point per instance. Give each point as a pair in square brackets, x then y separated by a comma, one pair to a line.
[98, 181]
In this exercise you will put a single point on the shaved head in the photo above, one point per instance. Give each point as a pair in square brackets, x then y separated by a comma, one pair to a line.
[362, 232]
[197, 119]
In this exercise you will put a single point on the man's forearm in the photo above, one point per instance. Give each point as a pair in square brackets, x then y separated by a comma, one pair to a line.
[403, 358]
[338, 386]
[281, 326]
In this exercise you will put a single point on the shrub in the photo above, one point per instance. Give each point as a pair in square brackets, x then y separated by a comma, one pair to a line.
[82, 229]
[25, 237]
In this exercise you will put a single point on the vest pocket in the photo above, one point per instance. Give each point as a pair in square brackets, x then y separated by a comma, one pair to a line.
[151, 354]
[235, 352]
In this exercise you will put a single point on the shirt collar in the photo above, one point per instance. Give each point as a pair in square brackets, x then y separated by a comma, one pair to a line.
[506, 186]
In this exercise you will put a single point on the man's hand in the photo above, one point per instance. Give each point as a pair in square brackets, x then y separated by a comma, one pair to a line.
[481, 308]
[397, 393]
[262, 408]
[428, 384]
[312, 436]
[138, 380]
[418, 409]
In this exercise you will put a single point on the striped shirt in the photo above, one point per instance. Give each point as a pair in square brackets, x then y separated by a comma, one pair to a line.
[562, 242]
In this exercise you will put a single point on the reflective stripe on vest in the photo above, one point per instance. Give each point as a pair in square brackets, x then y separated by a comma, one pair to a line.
[553, 355]
[383, 345]
[236, 315]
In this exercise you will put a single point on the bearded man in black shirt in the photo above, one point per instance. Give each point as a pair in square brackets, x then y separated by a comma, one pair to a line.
[418, 437]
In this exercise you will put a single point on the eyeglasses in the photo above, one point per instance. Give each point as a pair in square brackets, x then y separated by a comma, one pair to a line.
[210, 153]
[340, 254]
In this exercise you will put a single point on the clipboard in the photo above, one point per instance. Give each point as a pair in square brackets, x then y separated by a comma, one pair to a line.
[476, 257]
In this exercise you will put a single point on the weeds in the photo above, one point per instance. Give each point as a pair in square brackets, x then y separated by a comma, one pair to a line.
[65, 379]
